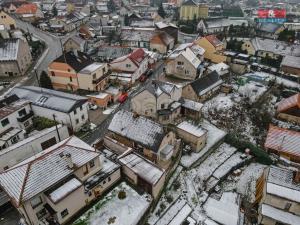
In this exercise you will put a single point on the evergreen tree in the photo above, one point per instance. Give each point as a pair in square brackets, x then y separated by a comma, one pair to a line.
[45, 81]
[54, 11]
[111, 6]
[126, 20]
[161, 12]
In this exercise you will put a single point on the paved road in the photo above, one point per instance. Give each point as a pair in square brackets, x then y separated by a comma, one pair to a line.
[53, 48]
[100, 130]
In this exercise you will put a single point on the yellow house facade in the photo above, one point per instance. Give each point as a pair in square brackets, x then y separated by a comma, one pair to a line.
[7, 21]
[213, 48]
[190, 9]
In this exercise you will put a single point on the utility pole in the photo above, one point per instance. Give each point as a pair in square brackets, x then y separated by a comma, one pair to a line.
[54, 116]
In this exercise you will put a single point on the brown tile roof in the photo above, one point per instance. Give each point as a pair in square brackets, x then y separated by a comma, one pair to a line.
[29, 8]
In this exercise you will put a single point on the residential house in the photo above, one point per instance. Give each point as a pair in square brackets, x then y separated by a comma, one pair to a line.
[15, 57]
[101, 99]
[68, 109]
[269, 30]
[289, 109]
[191, 9]
[191, 108]
[143, 173]
[169, 28]
[221, 68]
[145, 136]
[291, 65]
[6, 20]
[114, 92]
[192, 134]
[15, 118]
[219, 25]
[136, 37]
[183, 63]
[213, 48]
[85, 32]
[134, 64]
[75, 43]
[278, 196]
[11, 6]
[284, 143]
[161, 42]
[202, 88]
[75, 70]
[51, 181]
[32, 145]
[158, 100]
[274, 49]
[29, 12]
[109, 53]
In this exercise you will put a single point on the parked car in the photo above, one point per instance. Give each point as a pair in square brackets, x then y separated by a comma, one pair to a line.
[149, 73]
[143, 78]
[93, 106]
[123, 97]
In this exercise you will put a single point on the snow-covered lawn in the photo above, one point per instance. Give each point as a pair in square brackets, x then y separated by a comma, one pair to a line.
[252, 90]
[214, 135]
[115, 211]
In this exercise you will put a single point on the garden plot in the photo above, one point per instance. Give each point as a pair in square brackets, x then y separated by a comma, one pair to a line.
[214, 136]
[245, 183]
[252, 90]
[117, 209]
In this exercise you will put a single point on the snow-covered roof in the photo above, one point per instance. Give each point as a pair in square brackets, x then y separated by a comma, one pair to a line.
[187, 53]
[99, 95]
[9, 49]
[279, 215]
[91, 68]
[283, 140]
[45, 169]
[10, 105]
[219, 67]
[142, 167]
[291, 61]
[192, 129]
[280, 183]
[46, 98]
[137, 128]
[278, 47]
[190, 104]
[226, 211]
[161, 25]
[64, 190]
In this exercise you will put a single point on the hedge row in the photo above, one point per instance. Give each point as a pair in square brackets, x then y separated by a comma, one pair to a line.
[261, 155]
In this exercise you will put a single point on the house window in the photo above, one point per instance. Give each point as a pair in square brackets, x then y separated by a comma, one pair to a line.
[104, 182]
[104, 70]
[52, 74]
[85, 170]
[94, 76]
[70, 79]
[36, 202]
[77, 121]
[287, 206]
[4, 122]
[75, 112]
[80, 108]
[109, 179]
[22, 112]
[92, 163]
[128, 65]
[82, 117]
[162, 106]
[40, 214]
[69, 70]
[179, 63]
[15, 139]
[64, 213]
[187, 72]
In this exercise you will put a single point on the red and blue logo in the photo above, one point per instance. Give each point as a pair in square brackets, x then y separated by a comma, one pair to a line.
[272, 15]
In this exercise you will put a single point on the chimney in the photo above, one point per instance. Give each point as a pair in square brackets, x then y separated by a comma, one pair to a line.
[67, 157]
[296, 176]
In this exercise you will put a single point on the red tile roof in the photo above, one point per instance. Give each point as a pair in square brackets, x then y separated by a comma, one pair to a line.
[29, 8]
[283, 140]
[287, 103]
[213, 40]
[137, 55]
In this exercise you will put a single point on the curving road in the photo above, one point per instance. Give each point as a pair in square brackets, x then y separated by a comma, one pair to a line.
[52, 51]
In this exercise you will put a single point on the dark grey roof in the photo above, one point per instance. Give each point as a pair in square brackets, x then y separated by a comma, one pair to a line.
[282, 177]
[139, 129]
[51, 99]
[9, 49]
[205, 82]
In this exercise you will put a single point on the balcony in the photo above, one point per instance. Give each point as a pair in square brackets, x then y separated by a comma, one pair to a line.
[25, 117]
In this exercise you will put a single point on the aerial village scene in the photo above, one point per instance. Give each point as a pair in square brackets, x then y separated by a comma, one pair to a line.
[149, 112]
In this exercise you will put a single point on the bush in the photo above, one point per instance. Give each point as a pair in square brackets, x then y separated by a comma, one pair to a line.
[41, 123]
[176, 185]
[261, 155]
[169, 199]
[122, 195]
[162, 206]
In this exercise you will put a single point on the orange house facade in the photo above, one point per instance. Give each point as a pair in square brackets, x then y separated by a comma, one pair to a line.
[75, 71]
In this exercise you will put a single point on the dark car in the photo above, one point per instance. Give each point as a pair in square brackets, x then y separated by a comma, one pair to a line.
[149, 73]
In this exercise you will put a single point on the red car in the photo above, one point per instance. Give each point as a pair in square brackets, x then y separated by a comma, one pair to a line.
[143, 78]
[123, 97]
